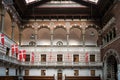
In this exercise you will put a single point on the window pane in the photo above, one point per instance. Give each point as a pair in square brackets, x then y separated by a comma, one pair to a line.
[43, 58]
[26, 72]
[76, 72]
[43, 72]
[92, 58]
[76, 58]
[27, 57]
[92, 72]
[59, 58]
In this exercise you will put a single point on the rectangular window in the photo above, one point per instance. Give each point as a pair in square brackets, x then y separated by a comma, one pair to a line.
[7, 71]
[26, 72]
[43, 58]
[43, 72]
[76, 72]
[27, 58]
[7, 51]
[92, 58]
[59, 57]
[75, 58]
[92, 72]
[16, 72]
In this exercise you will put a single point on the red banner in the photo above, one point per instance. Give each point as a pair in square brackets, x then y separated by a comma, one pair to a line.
[2, 39]
[86, 57]
[22, 55]
[32, 57]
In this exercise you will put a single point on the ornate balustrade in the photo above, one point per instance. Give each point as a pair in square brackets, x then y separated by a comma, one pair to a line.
[7, 57]
[55, 64]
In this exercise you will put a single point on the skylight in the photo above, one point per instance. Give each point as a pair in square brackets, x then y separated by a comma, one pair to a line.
[29, 1]
[95, 1]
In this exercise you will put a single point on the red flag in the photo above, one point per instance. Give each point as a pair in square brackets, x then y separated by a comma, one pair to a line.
[22, 55]
[14, 49]
[32, 58]
[2, 39]
[86, 57]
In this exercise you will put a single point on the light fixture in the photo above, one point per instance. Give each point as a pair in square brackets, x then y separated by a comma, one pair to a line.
[92, 34]
[32, 36]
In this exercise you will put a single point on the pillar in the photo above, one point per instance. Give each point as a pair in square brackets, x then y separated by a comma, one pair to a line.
[51, 36]
[20, 36]
[68, 39]
[2, 19]
[13, 27]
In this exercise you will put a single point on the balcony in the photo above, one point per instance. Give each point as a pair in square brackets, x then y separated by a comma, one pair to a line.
[9, 59]
[63, 64]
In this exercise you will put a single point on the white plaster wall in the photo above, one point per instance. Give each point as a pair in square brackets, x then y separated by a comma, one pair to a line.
[34, 72]
[2, 71]
[51, 72]
[12, 72]
[98, 73]
[84, 72]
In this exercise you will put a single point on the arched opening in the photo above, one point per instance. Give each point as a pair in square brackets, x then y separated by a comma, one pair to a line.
[111, 68]
[59, 74]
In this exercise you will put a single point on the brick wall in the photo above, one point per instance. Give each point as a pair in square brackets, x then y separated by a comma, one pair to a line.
[116, 44]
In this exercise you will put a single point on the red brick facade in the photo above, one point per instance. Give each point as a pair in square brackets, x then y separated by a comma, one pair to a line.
[115, 45]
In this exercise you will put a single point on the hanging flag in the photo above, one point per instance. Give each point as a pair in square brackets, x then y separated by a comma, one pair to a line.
[86, 57]
[2, 39]
[32, 57]
[14, 49]
[22, 55]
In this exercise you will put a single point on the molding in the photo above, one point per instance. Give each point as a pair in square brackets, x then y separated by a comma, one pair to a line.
[109, 43]
[111, 21]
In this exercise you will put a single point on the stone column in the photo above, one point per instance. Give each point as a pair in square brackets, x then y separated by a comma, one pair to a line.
[20, 77]
[13, 27]
[51, 35]
[20, 35]
[2, 19]
[36, 27]
[83, 26]
[83, 37]
[68, 39]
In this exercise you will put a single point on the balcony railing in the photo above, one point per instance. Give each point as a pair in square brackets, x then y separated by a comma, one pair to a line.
[99, 64]
[6, 58]
[9, 59]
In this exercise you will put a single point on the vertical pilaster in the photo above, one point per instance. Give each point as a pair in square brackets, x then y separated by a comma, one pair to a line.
[20, 35]
[51, 36]
[2, 19]
[68, 39]
[83, 36]
[13, 27]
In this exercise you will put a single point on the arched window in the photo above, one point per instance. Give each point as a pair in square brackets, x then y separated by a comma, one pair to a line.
[114, 32]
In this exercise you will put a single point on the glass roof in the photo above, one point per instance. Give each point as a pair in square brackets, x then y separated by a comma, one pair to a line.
[29, 1]
[95, 1]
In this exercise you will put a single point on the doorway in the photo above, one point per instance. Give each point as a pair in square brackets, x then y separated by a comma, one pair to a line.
[59, 75]
[111, 68]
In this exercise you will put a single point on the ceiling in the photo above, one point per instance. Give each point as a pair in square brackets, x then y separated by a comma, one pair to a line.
[62, 9]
